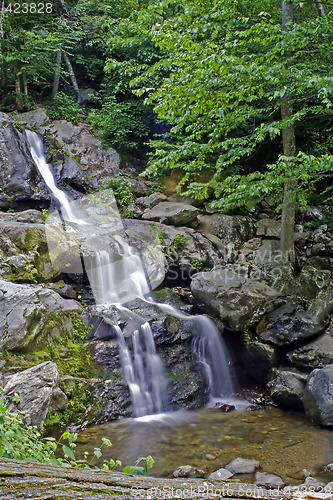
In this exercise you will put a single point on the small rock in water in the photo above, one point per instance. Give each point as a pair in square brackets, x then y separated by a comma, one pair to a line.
[313, 484]
[242, 466]
[210, 457]
[269, 481]
[306, 473]
[188, 471]
[226, 408]
[221, 475]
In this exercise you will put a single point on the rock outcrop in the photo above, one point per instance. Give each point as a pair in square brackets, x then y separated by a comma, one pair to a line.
[318, 396]
[34, 387]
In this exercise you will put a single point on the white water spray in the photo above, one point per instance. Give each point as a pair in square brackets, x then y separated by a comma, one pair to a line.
[94, 233]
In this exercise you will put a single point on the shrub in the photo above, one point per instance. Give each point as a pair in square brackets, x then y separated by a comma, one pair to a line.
[64, 107]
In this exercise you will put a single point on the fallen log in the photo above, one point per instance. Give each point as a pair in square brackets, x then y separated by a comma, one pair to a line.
[45, 482]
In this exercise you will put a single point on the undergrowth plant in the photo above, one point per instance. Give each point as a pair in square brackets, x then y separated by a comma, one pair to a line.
[122, 193]
[21, 442]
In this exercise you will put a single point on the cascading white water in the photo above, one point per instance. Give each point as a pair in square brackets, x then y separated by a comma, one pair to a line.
[117, 276]
[37, 152]
[143, 372]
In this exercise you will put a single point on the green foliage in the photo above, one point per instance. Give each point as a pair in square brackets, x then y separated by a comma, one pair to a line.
[64, 107]
[161, 237]
[121, 125]
[19, 442]
[178, 241]
[122, 193]
[46, 214]
[230, 69]
[197, 264]
[316, 222]
[138, 470]
[19, 126]
[22, 442]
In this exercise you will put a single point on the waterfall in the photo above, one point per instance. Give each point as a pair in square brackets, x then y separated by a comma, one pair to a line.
[90, 230]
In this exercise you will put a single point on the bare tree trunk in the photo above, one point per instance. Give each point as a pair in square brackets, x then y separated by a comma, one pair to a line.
[72, 76]
[289, 149]
[24, 82]
[18, 91]
[56, 78]
[2, 6]
[320, 8]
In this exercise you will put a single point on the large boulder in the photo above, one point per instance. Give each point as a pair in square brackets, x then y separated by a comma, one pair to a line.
[34, 387]
[26, 312]
[270, 228]
[313, 355]
[21, 184]
[230, 229]
[287, 326]
[175, 214]
[318, 396]
[287, 387]
[258, 360]
[24, 255]
[229, 294]
[186, 251]
[96, 161]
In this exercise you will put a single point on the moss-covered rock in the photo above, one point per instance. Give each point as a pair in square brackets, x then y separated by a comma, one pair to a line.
[24, 256]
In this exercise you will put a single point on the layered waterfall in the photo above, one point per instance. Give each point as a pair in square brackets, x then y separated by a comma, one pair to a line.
[88, 235]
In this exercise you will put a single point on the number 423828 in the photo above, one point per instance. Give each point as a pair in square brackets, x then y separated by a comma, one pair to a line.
[32, 8]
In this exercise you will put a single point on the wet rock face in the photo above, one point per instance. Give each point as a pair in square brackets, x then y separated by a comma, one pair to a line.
[19, 180]
[318, 396]
[242, 466]
[80, 161]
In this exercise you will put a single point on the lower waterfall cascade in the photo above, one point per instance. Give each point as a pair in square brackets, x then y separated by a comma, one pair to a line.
[92, 230]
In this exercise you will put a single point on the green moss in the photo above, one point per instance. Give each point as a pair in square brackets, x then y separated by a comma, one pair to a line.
[80, 408]
[63, 340]
[35, 247]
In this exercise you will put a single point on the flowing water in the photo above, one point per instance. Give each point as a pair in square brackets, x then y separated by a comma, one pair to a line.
[283, 442]
[117, 275]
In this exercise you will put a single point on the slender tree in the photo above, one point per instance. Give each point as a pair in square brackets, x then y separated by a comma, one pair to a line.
[289, 150]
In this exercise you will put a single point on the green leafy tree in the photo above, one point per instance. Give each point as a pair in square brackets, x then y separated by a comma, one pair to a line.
[242, 87]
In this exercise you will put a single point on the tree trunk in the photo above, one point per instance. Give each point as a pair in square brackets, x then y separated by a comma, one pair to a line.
[18, 91]
[72, 76]
[289, 149]
[56, 78]
[24, 82]
[320, 8]
[2, 6]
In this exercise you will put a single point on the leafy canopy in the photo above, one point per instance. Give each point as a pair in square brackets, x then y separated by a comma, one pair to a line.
[228, 70]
